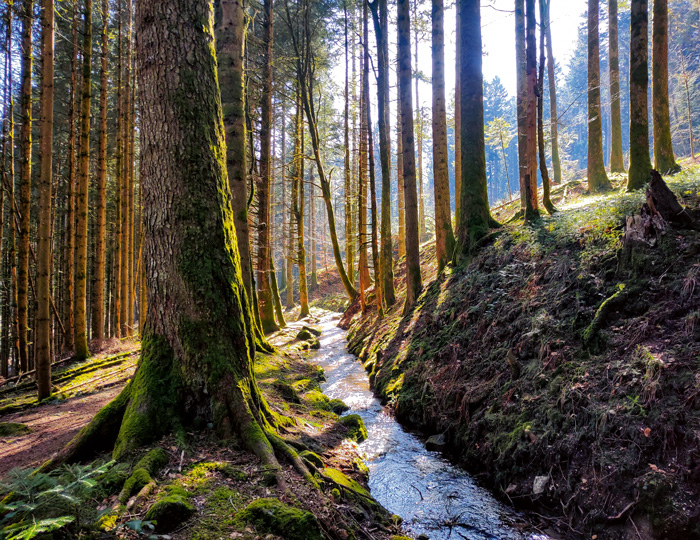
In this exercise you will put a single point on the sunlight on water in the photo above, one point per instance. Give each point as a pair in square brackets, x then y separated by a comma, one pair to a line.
[433, 496]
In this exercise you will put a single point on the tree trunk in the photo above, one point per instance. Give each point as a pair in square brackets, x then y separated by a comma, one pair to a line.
[553, 117]
[124, 189]
[616, 161]
[362, 265]
[664, 160]
[267, 313]
[349, 236]
[298, 203]
[546, 200]
[597, 177]
[25, 179]
[640, 162]
[381, 30]
[475, 215]
[458, 115]
[43, 271]
[100, 234]
[444, 237]
[81, 346]
[119, 182]
[401, 200]
[531, 207]
[414, 283]
[686, 83]
[418, 133]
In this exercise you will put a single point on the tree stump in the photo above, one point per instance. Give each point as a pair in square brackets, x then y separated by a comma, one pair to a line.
[662, 200]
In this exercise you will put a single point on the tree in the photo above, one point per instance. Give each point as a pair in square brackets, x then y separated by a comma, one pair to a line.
[554, 120]
[616, 164]
[414, 283]
[298, 208]
[380, 18]
[43, 271]
[640, 162]
[498, 136]
[475, 216]
[444, 237]
[458, 115]
[81, 247]
[197, 349]
[597, 177]
[664, 160]
[546, 201]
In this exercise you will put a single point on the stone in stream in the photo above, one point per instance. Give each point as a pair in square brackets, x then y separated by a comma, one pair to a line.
[539, 484]
[436, 442]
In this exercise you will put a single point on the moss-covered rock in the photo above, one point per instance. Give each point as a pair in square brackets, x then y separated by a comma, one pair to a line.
[286, 391]
[171, 509]
[313, 331]
[11, 429]
[306, 385]
[355, 426]
[311, 457]
[275, 517]
[338, 406]
[317, 400]
[335, 479]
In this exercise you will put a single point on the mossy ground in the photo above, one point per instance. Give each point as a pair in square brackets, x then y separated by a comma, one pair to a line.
[497, 357]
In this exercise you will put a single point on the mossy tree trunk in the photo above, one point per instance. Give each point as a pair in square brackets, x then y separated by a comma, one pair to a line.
[597, 177]
[414, 282]
[444, 236]
[401, 200]
[640, 162]
[546, 200]
[532, 203]
[380, 19]
[475, 215]
[25, 181]
[43, 270]
[298, 209]
[664, 160]
[197, 351]
[616, 161]
[362, 262]
[553, 115]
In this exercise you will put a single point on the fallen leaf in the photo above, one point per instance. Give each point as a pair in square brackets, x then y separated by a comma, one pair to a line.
[647, 432]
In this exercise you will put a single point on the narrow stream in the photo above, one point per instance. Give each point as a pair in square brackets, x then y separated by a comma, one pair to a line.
[433, 496]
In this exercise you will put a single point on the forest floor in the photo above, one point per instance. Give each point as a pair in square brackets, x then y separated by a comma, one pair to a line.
[561, 367]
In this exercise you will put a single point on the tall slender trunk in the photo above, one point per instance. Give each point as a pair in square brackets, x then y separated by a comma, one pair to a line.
[597, 177]
[362, 264]
[419, 135]
[119, 247]
[266, 306]
[401, 200]
[25, 179]
[546, 200]
[312, 229]
[616, 158]
[349, 239]
[81, 346]
[380, 18]
[664, 160]
[299, 215]
[640, 162]
[686, 83]
[43, 273]
[124, 199]
[414, 282]
[458, 115]
[444, 237]
[98, 296]
[475, 216]
[553, 117]
[131, 130]
[532, 206]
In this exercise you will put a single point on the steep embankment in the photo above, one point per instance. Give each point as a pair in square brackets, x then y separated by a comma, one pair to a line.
[562, 367]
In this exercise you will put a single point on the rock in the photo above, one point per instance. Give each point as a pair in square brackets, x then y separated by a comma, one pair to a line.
[313, 331]
[356, 427]
[11, 429]
[274, 517]
[304, 335]
[539, 484]
[436, 442]
[338, 406]
[171, 510]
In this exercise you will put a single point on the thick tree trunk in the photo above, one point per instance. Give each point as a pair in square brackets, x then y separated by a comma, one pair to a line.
[81, 346]
[475, 216]
[444, 237]
[597, 177]
[101, 228]
[266, 305]
[381, 29]
[414, 283]
[43, 271]
[553, 117]
[25, 179]
[546, 200]
[616, 161]
[640, 162]
[664, 160]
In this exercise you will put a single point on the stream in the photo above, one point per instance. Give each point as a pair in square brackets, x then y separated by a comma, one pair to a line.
[433, 496]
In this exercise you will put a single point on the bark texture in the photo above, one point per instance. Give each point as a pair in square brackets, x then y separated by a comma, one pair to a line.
[616, 161]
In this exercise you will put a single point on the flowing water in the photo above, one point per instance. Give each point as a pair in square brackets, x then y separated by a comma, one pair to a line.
[433, 496]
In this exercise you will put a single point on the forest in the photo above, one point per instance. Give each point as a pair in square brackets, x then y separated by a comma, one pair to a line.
[350, 269]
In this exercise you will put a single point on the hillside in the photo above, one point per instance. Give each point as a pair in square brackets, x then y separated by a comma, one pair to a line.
[561, 366]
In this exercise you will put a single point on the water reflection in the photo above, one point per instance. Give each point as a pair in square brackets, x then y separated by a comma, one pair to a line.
[432, 496]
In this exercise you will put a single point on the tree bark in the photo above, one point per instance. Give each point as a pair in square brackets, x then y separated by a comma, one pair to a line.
[475, 216]
[401, 199]
[349, 235]
[616, 161]
[81, 346]
[299, 213]
[362, 263]
[44, 255]
[532, 206]
[546, 200]
[664, 160]
[444, 236]
[597, 177]
[553, 116]
[414, 284]
[640, 162]
[25, 179]
[458, 115]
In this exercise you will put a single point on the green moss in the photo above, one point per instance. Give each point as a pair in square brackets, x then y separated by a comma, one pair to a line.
[154, 461]
[356, 427]
[204, 469]
[317, 400]
[11, 429]
[286, 391]
[113, 480]
[217, 515]
[306, 385]
[171, 509]
[135, 483]
[312, 458]
[338, 406]
[275, 517]
[336, 479]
